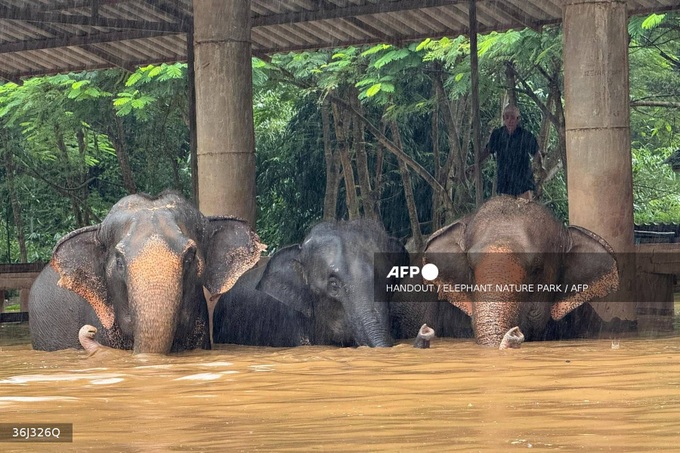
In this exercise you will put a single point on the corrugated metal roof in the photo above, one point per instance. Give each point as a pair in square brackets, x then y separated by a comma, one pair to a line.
[49, 36]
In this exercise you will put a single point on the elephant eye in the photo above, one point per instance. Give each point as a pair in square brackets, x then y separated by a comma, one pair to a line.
[120, 263]
[333, 286]
[189, 256]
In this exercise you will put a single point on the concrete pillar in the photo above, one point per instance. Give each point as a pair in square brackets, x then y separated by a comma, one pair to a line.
[598, 132]
[224, 108]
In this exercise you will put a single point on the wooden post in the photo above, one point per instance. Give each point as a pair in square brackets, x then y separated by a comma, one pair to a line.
[225, 133]
[23, 300]
[598, 134]
[474, 78]
[191, 87]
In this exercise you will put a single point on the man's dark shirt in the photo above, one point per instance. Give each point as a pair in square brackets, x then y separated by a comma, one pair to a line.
[514, 167]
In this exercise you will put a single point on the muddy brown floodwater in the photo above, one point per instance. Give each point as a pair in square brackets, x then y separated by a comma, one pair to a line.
[456, 396]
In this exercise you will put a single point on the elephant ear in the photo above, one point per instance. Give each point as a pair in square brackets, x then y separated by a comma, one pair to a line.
[230, 248]
[589, 271]
[79, 259]
[284, 280]
[446, 250]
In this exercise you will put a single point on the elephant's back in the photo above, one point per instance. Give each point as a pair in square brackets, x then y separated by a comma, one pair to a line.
[247, 316]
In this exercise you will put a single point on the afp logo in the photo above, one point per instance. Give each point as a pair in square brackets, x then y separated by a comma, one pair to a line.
[428, 271]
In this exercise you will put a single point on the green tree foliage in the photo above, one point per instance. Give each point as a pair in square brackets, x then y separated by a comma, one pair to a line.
[339, 134]
[289, 161]
[655, 103]
[67, 136]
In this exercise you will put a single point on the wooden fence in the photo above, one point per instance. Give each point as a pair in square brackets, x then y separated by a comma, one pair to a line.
[17, 276]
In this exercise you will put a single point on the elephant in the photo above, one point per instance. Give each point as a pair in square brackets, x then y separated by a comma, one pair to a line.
[138, 277]
[319, 292]
[493, 263]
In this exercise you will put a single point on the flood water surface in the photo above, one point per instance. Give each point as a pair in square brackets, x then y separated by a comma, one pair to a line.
[456, 396]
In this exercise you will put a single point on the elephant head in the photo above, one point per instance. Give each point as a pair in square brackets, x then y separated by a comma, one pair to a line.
[144, 267]
[514, 264]
[329, 278]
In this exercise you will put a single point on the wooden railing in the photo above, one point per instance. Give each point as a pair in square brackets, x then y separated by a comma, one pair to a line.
[21, 277]
[656, 269]
[658, 258]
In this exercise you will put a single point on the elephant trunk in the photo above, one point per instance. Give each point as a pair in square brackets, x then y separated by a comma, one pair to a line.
[371, 328]
[496, 311]
[378, 338]
[155, 290]
[155, 320]
[493, 319]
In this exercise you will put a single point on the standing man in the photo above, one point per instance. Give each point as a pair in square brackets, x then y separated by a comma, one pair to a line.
[513, 146]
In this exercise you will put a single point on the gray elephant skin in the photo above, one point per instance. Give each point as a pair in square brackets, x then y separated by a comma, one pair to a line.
[512, 242]
[318, 292]
[139, 277]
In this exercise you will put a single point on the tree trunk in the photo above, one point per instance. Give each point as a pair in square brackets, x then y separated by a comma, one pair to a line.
[377, 180]
[396, 150]
[453, 171]
[330, 201]
[510, 84]
[70, 183]
[437, 217]
[342, 121]
[118, 140]
[408, 192]
[82, 189]
[560, 127]
[175, 173]
[544, 131]
[367, 197]
[474, 97]
[14, 198]
[556, 117]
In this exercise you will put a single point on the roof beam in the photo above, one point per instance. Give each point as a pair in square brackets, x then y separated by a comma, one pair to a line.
[90, 48]
[107, 56]
[653, 9]
[77, 40]
[95, 9]
[349, 11]
[32, 15]
[326, 6]
[10, 77]
[73, 4]
[171, 9]
[513, 13]
[87, 67]
[384, 37]
[405, 39]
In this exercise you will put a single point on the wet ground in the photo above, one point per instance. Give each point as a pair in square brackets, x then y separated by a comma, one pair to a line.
[456, 396]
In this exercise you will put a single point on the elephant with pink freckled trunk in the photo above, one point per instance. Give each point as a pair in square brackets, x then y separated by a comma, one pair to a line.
[512, 242]
[138, 277]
